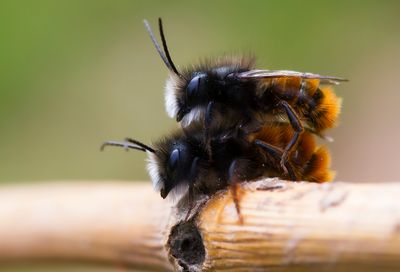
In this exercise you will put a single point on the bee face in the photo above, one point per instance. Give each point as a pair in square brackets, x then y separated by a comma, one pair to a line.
[185, 100]
[187, 97]
[196, 91]
[172, 173]
[169, 167]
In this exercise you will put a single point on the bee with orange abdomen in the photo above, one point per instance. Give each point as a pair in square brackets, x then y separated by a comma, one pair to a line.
[308, 161]
[232, 93]
[180, 164]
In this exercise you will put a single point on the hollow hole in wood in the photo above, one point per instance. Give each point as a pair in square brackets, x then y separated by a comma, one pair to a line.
[186, 244]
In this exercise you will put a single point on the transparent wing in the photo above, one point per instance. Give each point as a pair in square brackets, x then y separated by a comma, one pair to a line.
[286, 73]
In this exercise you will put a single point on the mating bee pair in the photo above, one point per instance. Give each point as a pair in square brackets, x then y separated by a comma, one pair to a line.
[239, 124]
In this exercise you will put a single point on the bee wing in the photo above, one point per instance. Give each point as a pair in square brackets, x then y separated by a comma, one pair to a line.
[286, 73]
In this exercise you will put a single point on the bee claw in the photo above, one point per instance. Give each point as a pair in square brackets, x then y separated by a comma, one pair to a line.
[284, 167]
[283, 162]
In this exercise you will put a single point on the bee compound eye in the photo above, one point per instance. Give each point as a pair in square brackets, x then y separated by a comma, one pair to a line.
[195, 84]
[174, 158]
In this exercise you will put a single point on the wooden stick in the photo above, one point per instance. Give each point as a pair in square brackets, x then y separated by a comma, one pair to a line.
[120, 223]
[286, 226]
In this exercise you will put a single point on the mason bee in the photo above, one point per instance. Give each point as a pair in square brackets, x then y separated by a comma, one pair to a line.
[231, 92]
[180, 163]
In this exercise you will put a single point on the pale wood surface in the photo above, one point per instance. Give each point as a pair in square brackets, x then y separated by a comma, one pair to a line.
[306, 227]
[119, 223]
[287, 226]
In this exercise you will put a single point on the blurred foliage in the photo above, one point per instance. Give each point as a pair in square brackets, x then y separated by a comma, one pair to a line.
[76, 73]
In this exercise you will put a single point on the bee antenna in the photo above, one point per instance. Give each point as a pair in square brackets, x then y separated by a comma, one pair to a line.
[164, 43]
[142, 145]
[167, 59]
[128, 144]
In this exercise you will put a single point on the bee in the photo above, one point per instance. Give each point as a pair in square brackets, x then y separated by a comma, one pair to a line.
[179, 164]
[231, 92]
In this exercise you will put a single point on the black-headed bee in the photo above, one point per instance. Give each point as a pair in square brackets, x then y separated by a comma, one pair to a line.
[231, 92]
[180, 163]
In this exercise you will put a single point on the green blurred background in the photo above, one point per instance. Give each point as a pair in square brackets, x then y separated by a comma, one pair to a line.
[76, 73]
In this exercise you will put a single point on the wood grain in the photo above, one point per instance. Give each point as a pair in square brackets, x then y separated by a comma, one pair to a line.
[118, 223]
[287, 227]
[305, 227]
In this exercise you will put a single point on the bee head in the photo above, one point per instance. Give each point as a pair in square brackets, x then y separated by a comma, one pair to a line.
[176, 169]
[170, 161]
[194, 94]
[169, 167]
[208, 83]
[188, 93]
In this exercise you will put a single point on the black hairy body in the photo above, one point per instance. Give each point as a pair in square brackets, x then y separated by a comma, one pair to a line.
[230, 92]
[181, 164]
[184, 164]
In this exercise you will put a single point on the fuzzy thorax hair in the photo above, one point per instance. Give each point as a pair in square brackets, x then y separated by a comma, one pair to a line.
[175, 87]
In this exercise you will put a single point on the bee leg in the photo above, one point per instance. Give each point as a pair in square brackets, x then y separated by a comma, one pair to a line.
[207, 124]
[234, 183]
[276, 153]
[190, 202]
[298, 129]
[192, 179]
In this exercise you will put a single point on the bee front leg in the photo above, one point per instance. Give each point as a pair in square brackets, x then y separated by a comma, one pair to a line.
[234, 179]
[194, 170]
[207, 124]
[190, 202]
[295, 122]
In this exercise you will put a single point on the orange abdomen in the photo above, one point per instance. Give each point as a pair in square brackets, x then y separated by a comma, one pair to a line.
[310, 162]
[317, 105]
